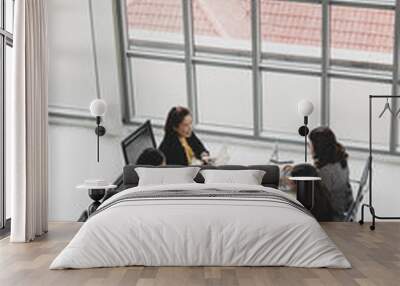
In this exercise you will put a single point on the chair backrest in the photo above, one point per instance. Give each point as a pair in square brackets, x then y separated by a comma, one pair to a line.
[141, 139]
[361, 191]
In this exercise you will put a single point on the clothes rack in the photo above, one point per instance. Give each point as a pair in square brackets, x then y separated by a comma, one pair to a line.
[370, 203]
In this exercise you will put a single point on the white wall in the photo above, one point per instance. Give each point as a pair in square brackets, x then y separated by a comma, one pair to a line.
[70, 51]
[72, 144]
[72, 83]
[72, 155]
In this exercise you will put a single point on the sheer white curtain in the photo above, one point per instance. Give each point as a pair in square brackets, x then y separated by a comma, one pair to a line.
[27, 123]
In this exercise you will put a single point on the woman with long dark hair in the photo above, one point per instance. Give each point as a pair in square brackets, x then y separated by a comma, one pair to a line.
[334, 195]
[330, 159]
[180, 144]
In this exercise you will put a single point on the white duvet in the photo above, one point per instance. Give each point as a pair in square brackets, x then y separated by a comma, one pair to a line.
[200, 231]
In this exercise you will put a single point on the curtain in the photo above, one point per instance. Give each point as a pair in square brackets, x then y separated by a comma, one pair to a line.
[27, 123]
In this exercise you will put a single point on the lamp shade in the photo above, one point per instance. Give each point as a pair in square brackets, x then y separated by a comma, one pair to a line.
[98, 107]
[305, 107]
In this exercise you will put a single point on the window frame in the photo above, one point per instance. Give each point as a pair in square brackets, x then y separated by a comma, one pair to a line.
[320, 67]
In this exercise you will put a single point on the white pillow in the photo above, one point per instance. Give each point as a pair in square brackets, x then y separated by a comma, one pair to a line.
[165, 176]
[248, 177]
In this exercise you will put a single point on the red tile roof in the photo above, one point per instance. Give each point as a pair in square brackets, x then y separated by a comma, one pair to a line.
[281, 22]
[362, 29]
[155, 15]
[290, 23]
[166, 15]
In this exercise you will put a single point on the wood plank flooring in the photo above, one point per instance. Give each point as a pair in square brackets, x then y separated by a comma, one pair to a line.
[375, 257]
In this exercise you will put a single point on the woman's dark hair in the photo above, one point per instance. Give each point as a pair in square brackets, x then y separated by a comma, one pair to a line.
[174, 118]
[152, 157]
[326, 149]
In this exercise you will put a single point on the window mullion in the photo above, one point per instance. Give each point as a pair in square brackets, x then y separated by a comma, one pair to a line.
[393, 121]
[325, 54]
[127, 94]
[256, 58]
[189, 53]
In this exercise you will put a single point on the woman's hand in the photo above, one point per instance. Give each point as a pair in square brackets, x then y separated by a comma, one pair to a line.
[205, 158]
[287, 169]
[285, 183]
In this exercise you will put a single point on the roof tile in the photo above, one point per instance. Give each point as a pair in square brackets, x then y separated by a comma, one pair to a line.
[281, 22]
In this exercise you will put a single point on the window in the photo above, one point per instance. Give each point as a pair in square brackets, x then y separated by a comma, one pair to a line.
[222, 24]
[157, 85]
[290, 28]
[361, 36]
[224, 96]
[280, 117]
[9, 15]
[6, 43]
[350, 112]
[245, 64]
[155, 20]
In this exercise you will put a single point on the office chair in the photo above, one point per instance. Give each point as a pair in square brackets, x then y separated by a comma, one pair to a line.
[141, 139]
[362, 190]
[133, 145]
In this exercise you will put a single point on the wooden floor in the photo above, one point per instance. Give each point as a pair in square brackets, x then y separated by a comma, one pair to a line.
[375, 257]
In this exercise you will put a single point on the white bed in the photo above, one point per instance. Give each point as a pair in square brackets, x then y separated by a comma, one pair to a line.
[206, 230]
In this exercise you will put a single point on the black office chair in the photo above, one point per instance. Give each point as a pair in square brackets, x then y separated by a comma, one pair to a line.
[362, 190]
[134, 145]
